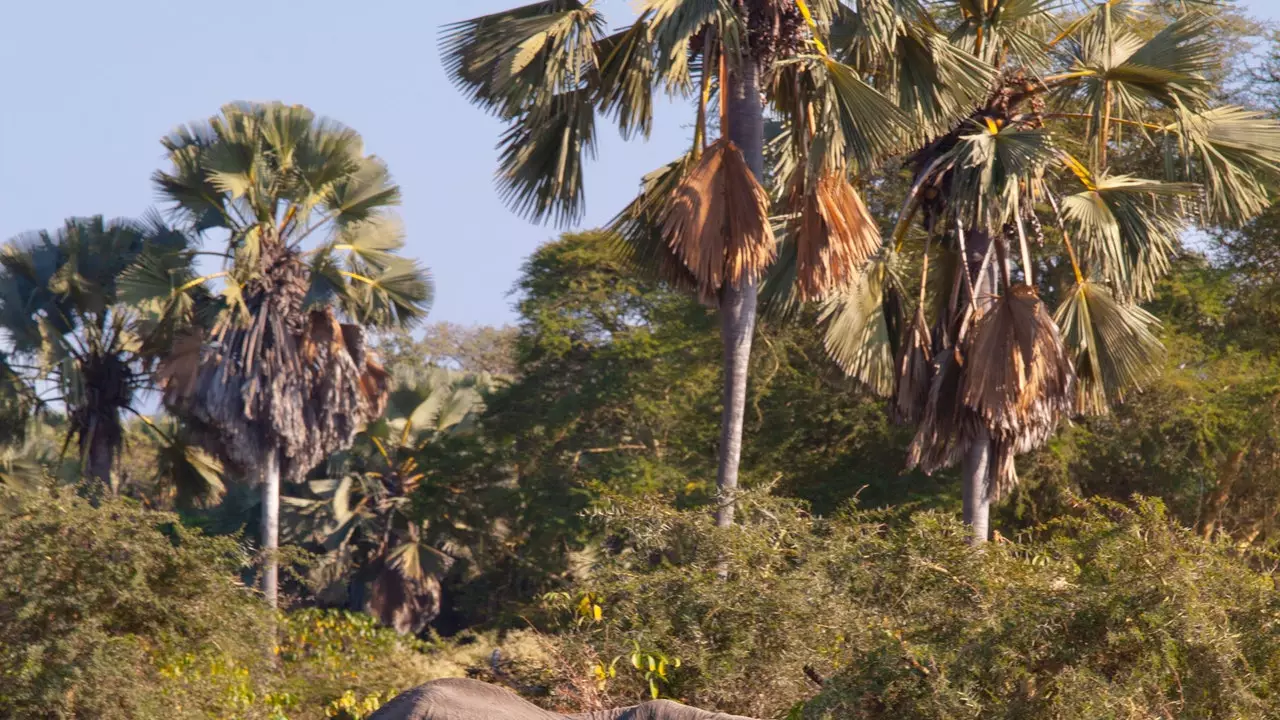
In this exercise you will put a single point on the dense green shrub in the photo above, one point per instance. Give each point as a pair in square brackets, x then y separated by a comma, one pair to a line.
[121, 612]
[1110, 611]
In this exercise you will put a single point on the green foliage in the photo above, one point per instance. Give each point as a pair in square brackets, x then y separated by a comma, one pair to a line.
[1108, 611]
[384, 546]
[104, 609]
[121, 612]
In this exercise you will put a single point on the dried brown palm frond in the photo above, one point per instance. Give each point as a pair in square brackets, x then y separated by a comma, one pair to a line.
[640, 241]
[915, 369]
[289, 378]
[717, 222]
[834, 236]
[947, 426]
[1019, 378]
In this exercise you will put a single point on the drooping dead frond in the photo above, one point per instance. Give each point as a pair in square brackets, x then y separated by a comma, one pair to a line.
[640, 239]
[915, 368]
[289, 379]
[1018, 377]
[834, 236]
[717, 222]
[947, 426]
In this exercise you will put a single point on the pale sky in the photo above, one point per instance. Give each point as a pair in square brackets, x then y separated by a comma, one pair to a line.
[89, 88]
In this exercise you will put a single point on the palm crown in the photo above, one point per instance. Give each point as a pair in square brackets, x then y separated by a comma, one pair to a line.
[281, 361]
[1002, 112]
[68, 319]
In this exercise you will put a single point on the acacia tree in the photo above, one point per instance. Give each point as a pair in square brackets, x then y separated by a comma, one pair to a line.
[279, 375]
[706, 222]
[1022, 204]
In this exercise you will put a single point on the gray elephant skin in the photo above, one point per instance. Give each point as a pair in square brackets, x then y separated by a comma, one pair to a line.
[463, 699]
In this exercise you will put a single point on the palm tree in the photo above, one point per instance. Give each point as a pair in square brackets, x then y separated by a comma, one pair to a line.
[389, 531]
[75, 338]
[706, 221]
[279, 375]
[1022, 202]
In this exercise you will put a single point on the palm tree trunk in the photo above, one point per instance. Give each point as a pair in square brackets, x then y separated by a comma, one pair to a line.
[745, 119]
[271, 525]
[98, 456]
[975, 468]
[975, 488]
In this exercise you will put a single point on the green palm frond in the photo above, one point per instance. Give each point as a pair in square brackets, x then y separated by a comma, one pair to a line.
[938, 83]
[673, 25]
[511, 60]
[1013, 27]
[193, 475]
[862, 32]
[260, 169]
[1231, 152]
[374, 240]
[778, 296]
[627, 71]
[326, 284]
[990, 168]
[1113, 344]
[541, 158]
[1130, 227]
[360, 193]
[397, 294]
[1171, 68]
[862, 323]
[871, 126]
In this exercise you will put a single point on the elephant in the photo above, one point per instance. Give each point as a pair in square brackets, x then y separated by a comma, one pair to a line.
[465, 699]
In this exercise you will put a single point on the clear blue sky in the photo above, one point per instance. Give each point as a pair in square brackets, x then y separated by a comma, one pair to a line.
[89, 87]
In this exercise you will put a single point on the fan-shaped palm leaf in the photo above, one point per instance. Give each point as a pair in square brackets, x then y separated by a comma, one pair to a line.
[541, 157]
[1113, 344]
[509, 61]
[862, 324]
[1130, 227]
[1231, 151]
[625, 87]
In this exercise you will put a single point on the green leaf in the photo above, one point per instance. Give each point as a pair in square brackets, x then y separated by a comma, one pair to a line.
[1113, 344]
[510, 61]
[861, 324]
[626, 78]
[541, 158]
[871, 126]
[1131, 228]
[1234, 153]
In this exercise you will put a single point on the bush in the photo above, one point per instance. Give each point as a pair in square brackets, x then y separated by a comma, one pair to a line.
[1111, 612]
[121, 612]
[104, 609]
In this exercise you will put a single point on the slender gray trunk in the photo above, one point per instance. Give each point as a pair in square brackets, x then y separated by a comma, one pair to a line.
[271, 526]
[975, 489]
[738, 305]
[975, 468]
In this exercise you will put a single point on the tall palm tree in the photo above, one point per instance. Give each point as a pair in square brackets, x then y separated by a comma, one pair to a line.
[279, 375]
[1021, 204]
[75, 338]
[706, 221]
